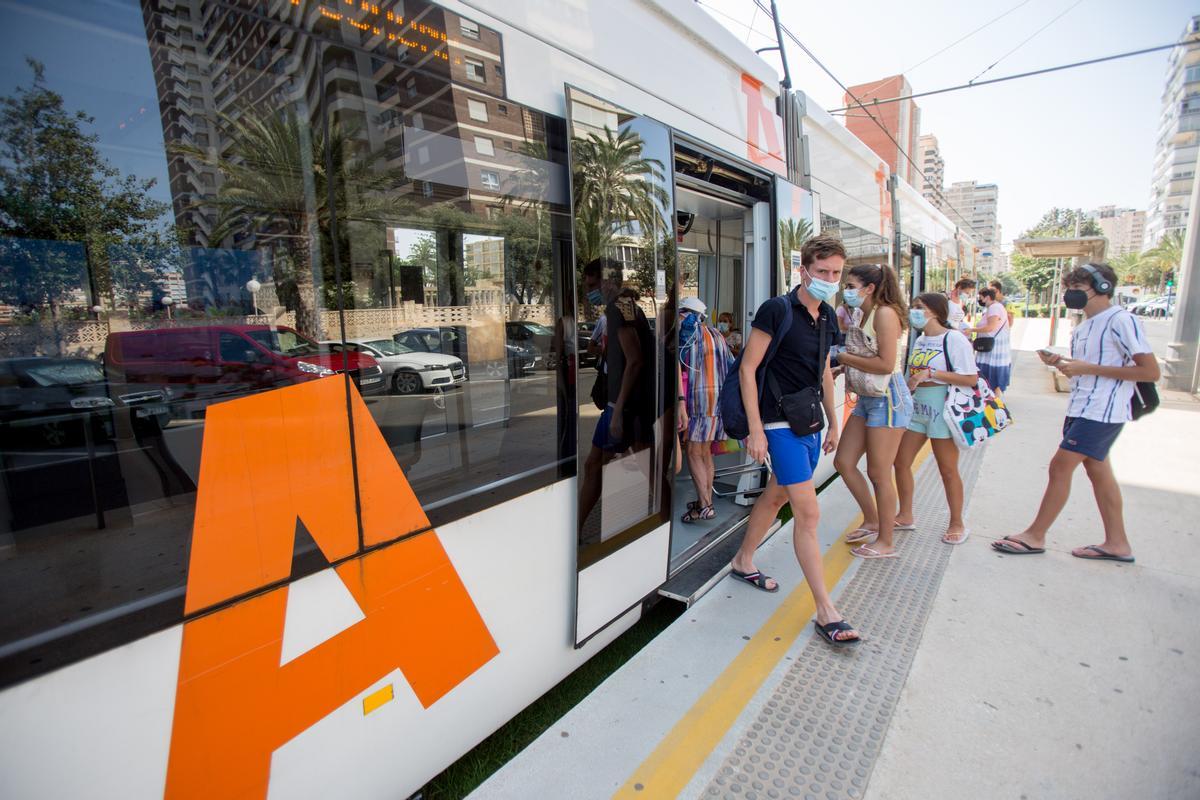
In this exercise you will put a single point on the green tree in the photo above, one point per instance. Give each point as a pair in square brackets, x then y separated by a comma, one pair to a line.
[616, 189]
[793, 233]
[275, 186]
[1164, 259]
[1037, 274]
[63, 207]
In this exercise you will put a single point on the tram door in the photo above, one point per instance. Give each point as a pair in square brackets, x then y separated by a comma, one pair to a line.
[715, 245]
[624, 245]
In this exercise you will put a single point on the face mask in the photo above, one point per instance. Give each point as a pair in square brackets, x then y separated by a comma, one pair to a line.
[1075, 299]
[821, 290]
[723, 327]
[916, 318]
[688, 324]
[964, 298]
[595, 297]
[852, 297]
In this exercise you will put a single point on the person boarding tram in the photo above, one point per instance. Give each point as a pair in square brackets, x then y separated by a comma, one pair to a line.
[705, 360]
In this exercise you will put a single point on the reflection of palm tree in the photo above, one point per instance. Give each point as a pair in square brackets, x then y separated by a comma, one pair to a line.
[614, 186]
[1166, 256]
[275, 186]
[793, 233]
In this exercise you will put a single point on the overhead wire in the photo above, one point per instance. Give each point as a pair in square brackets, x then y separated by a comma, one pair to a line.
[962, 217]
[967, 36]
[1026, 41]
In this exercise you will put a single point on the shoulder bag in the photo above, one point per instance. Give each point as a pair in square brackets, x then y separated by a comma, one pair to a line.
[733, 411]
[973, 414]
[1145, 396]
[862, 383]
[985, 344]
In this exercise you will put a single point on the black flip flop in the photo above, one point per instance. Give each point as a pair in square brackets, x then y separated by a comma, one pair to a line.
[1009, 546]
[1102, 555]
[827, 633]
[755, 579]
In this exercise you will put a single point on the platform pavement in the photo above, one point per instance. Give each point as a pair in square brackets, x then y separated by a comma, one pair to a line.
[1051, 677]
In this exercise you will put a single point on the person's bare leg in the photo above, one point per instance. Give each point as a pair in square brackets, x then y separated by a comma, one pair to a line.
[699, 471]
[589, 491]
[882, 444]
[806, 514]
[762, 516]
[850, 451]
[945, 451]
[1058, 489]
[906, 455]
[1108, 499]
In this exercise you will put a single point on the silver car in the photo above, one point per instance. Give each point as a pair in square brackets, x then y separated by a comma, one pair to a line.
[405, 370]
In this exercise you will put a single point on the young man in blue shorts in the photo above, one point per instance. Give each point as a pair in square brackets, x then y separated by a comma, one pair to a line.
[799, 362]
[1109, 355]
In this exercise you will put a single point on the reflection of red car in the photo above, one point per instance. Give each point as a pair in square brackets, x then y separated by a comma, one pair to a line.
[239, 358]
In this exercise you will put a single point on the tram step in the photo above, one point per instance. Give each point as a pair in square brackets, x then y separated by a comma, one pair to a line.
[704, 573]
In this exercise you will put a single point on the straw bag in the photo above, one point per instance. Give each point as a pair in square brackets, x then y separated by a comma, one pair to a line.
[864, 384]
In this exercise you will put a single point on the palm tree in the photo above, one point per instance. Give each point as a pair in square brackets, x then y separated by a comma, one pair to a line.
[615, 187]
[793, 233]
[275, 186]
[1166, 256]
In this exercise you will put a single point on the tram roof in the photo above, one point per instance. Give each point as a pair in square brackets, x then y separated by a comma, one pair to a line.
[1090, 247]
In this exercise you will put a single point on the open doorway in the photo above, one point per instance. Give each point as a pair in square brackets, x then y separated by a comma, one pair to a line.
[713, 262]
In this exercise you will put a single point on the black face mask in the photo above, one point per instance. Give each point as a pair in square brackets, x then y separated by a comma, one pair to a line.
[1075, 299]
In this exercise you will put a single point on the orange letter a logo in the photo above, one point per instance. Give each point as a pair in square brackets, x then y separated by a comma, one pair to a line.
[268, 460]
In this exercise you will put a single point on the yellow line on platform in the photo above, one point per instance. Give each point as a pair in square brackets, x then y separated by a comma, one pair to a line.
[670, 767]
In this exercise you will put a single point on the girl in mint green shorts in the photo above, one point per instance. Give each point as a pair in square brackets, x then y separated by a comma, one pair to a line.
[940, 357]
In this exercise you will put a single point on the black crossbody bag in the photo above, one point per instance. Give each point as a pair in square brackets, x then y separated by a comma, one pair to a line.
[802, 409]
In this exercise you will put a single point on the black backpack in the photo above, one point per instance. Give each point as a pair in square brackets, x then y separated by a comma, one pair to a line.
[733, 411]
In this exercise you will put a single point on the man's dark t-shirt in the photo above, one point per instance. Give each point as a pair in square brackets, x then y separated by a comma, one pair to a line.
[623, 313]
[796, 364]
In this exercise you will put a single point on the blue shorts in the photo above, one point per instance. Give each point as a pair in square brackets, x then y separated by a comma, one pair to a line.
[893, 410]
[793, 458]
[1090, 438]
[997, 377]
[602, 438]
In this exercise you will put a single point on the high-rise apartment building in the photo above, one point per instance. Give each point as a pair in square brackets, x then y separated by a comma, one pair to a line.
[972, 206]
[1178, 139]
[1125, 229]
[902, 120]
[933, 169]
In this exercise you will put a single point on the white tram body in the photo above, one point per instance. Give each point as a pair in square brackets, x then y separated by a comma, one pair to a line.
[439, 580]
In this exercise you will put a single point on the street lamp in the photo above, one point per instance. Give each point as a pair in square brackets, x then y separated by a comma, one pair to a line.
[252, 286]
[167, 302]
[97, 310]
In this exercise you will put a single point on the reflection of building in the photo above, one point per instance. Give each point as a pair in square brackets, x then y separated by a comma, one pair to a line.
[972, 206]
[901, 119]
[430, 102]
[933, 169]
[1178, 140]
[1125, 228]
[174, 285]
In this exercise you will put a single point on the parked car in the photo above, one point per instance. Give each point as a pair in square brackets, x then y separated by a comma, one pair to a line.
[62, 402]
[1158, 307]
[537, 336]
[452, 340]
[211, 360]
[405, 370]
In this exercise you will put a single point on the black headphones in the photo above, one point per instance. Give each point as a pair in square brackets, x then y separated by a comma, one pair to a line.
[1100, 283]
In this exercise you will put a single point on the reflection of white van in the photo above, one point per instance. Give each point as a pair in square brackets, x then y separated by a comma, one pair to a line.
[407, 371]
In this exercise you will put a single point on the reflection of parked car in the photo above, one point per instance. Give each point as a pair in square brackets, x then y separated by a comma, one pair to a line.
[539, 337]
[44, 402]
[240, 357]
[452, 340]
[405, 370]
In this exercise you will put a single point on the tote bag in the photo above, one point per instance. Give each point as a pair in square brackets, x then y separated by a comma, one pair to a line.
[973, 414]
[865, 384]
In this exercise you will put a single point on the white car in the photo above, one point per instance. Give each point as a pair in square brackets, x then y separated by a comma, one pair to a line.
[405, 370]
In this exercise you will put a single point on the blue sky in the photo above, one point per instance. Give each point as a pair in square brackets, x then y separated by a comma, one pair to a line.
[1077, 138]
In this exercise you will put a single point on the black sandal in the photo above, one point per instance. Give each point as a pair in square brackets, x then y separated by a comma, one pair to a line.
[697, 512]
[829, 630]
[755, 579]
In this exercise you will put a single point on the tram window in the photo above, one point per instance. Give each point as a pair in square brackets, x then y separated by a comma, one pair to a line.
[121, 340]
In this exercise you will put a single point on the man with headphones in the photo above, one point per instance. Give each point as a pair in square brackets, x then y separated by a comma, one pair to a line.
[1109, 355]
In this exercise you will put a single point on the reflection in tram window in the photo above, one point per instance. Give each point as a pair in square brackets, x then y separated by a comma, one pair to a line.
[624, 251]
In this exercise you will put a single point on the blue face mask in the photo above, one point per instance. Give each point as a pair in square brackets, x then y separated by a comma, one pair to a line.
[916, 318]
[595, 297]
[687, 325]
[821, 290]
[852, 297]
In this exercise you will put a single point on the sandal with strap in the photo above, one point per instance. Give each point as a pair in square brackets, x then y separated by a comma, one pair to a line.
[830, 631]
[755, 579]
[698, 512]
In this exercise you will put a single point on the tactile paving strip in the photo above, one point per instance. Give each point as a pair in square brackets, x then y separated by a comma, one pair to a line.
[819, 734]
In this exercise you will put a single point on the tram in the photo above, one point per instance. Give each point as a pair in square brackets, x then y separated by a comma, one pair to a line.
[237, 559]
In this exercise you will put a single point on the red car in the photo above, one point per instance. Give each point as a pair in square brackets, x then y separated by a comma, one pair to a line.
[221, 359]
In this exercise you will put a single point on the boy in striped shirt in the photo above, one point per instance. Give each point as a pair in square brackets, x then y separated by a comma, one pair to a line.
[1109, 355]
